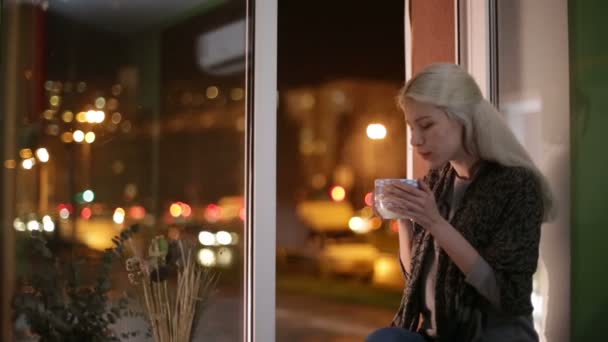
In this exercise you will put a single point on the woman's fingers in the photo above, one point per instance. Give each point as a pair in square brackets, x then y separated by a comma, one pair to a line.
[396, 207]
[405, 188]
[391, 193]
[403, 206]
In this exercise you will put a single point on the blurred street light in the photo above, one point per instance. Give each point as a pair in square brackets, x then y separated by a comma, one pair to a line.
[95, 116]
[358, 225]
[42, 154]
[81, 117]
[376, 131]
[43, 175]
[116, 117]
[206, 257]
[224, 257]
[236, 94]
[10, 164]
[28, 163]
[100, 102]
[89, 137]
[25, 153]
[47, 224]
[88, 196]
[369, 199]
[337, 193]
[86, 213]
[33, 225]
[223, 237]
[206, 238]
[175, 210]
[119, 216]
[212, 92]
[64, 213]
[91, 116]
[19, 225]
[67, 116]
[78, 136]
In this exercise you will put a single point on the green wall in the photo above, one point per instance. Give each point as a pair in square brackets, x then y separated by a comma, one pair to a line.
[588, 31]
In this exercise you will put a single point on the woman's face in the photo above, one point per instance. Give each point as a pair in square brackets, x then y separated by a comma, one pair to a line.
[435, 137]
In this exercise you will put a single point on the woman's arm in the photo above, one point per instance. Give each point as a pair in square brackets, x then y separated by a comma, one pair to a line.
[419, 204]
[447, 237]
[455, 245]
[477, 271]
[406, 236]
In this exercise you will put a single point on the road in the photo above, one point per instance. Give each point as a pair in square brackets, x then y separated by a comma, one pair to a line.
[298, 319]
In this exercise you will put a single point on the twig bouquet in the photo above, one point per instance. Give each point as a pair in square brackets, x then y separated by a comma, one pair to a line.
[173, 287]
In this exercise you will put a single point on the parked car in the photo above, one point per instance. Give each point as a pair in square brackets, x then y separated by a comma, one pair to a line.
[218, 244]
[346, 254]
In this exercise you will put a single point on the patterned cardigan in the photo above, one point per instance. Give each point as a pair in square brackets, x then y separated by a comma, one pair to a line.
[500, 216]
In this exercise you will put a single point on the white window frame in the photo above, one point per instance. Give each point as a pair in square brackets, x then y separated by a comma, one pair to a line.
[260, 177]
[477, 49]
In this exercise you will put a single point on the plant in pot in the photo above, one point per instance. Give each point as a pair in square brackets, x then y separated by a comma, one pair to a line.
[57, 303]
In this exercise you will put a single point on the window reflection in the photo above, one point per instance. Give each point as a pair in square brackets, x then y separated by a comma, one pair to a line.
[132, 113]
[534, 97]
[338, 129]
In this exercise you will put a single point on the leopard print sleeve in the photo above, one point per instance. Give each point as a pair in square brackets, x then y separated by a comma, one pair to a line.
[514, 248]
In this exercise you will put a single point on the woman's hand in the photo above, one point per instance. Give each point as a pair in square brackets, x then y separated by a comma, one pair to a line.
[420, 206]
[417, 204]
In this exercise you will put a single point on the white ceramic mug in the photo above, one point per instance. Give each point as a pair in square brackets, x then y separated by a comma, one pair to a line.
[379, 204]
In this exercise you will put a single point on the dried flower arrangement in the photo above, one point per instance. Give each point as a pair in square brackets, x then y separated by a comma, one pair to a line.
[170, 304]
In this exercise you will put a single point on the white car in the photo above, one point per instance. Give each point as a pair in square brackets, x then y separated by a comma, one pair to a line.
[349, 257]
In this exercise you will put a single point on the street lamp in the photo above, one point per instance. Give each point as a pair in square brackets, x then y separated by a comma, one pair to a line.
[43, 155]
[89, 137]
[78, 136]
[337, 193]
[95, 116]
[31, 159]
[376, 131]
[28, 163]
[43, 175]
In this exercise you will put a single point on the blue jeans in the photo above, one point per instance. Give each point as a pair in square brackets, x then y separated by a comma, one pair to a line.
[393, 334]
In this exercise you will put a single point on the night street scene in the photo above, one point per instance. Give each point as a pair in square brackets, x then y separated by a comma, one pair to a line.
[125, 177]
[135, 115]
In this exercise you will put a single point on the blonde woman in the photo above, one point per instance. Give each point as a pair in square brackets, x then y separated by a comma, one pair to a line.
[470, 256]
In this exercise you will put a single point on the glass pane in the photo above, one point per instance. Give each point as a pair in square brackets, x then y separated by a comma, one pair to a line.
[128, 112]
[533, 84]
[335, 281]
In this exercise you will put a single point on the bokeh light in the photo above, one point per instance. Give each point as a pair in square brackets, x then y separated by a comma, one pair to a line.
[43, 154]
[206, 257]
[89, 137]
[119, 216]
[223, 237]
[212, 92]
[206, 238]
[78, 136]
[369, 199]
[376, 131]
[337, 193]
[86, 213]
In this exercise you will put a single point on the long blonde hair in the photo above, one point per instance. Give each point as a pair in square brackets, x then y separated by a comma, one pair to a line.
[486, 134]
